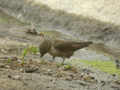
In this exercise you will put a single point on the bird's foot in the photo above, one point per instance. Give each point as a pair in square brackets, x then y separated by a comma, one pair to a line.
[63, 62]
[117, 64]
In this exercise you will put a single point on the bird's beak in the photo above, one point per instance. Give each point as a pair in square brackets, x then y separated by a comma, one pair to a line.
[41, 34]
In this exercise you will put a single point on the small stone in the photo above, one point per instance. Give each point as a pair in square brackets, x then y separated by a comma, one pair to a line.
[103, 83]
[83, 83]
[9, 76]
[48, 87]
[16, 77]
[31, 69]
[3, 51]
[14, 58]
[7, 66]
[117, 82]
[21, 70]
[49, 73]
[72, 76]
[2, 65]
[68, 78]
[114, 75]
[49, 70]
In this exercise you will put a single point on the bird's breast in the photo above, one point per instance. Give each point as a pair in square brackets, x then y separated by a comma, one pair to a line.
[58, 53]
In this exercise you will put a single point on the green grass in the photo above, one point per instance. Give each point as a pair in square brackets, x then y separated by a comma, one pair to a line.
[106, 66]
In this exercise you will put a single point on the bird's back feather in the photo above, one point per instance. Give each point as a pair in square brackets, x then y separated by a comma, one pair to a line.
[70, 45]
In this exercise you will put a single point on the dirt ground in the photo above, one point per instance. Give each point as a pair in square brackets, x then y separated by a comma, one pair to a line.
[39, 73]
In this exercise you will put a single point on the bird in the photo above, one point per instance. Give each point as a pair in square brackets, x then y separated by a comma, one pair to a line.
[60, 48]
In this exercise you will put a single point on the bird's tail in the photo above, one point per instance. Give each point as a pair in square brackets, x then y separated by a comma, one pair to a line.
[82, 44]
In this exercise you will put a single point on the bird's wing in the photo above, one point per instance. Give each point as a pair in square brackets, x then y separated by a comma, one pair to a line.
[63, 45]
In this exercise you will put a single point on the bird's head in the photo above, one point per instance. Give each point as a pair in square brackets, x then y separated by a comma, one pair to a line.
[44, 36]
[41, 34]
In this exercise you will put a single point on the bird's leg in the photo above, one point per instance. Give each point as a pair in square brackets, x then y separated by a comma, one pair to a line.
[63, 61]
[53, 58]
[41, 55]
[117, 64]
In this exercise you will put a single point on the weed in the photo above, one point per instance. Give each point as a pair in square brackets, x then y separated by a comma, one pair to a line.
[106, 66]
[67, 67]
[29, 49]
[9, 60]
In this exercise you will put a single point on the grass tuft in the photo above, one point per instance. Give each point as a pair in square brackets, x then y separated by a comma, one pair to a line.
[106, 66]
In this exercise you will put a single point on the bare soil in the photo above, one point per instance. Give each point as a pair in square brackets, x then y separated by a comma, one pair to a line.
[40, 73]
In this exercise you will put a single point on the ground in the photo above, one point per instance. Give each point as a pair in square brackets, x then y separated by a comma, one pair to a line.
[35, 73]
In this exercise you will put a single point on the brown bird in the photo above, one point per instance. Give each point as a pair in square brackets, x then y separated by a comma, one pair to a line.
[60, 48]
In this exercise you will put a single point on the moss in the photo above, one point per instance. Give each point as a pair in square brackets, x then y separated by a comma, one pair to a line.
[106, 66]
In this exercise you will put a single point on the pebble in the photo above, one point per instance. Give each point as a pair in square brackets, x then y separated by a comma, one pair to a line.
[68, 78]
[3, 51]
[7, 66]
[21, 70]
[16, 77]
[49, 70]
[2, 65]
[31, 69]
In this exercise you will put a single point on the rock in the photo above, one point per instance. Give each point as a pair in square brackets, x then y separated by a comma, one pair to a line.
[117, 82]
[7, 66]
[2, 65]
[68, 78]
[16, 77]
[4, 51]
[21, 70]
[83, 83]
[49, 70]
[31, 69]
